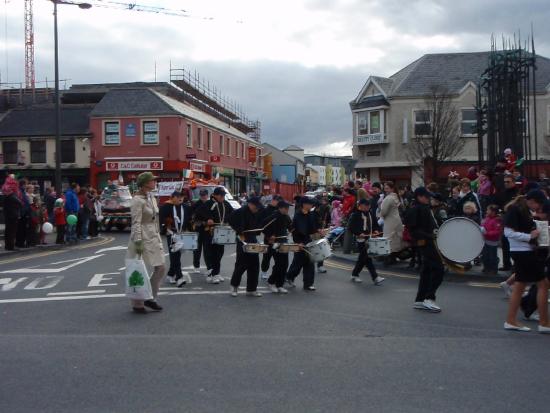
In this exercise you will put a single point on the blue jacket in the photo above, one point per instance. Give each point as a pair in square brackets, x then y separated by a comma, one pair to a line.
[71, 202]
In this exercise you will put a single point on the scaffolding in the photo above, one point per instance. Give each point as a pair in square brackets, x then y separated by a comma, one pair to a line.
[200, 93]
[506, 103]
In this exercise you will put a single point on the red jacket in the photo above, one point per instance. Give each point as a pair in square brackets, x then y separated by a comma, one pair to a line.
[493, 228]
[59, 214]
[348, 205]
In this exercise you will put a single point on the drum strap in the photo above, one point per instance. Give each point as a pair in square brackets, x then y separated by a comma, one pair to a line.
[177, 221]
[222, 217]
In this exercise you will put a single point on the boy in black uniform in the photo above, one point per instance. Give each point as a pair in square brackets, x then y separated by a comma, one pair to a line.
[360, 225]
[266, 213]
[277, 233]
[174, 218]
[422, 225]
[205, 237]
[305, 224]
[214, 211]
[242, 221]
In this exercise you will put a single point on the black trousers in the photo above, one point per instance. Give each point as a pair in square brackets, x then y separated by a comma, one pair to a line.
[431, 274]
[175, 260]
[278, 272]
[364, 261]
[21, 234]
[266, 259]
[205, 239]
[93, 228]
[249, 263]
[301, 261]
[506, 261]
[10, 232]
[60, 237]
[215, 254]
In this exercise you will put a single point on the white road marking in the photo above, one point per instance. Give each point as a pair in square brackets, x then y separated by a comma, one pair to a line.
[53, 281]
[7, 283]
[77, 292]
[121, 269]
[98, 278]
[117, 248]
[74, 262]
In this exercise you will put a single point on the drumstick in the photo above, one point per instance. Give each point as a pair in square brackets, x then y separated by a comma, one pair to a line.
[261, 229]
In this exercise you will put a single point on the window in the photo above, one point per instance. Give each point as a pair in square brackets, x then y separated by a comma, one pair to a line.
[374, 122]
[222, 146]
[469, 122]
[422, 123]
[228, 147]
[38, 151]
[237, 149]
[199, 138]
[150, 130]
[363, 123]
[189, 136]
[243, 153]
[67, 151]
[209, 140]
[9, 149]
[111, 133]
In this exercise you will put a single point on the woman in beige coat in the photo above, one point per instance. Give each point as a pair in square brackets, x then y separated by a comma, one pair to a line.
[393, 226]
[145, 240]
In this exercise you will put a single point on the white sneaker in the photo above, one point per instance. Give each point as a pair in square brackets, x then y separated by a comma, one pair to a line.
[544, 330]
[254, 294]
[219, 278]
[264, 275]
[533, 317]
[181, 282]
[419, 305]
[290, 284]
[234, 291]
[196, 270]
[432, 306]
[512, 327]
[378, 280]
[356, 280]
[321, 269]
[212, 280]
[282, 290]
[507, 289]
[171, 280]
[272, 288]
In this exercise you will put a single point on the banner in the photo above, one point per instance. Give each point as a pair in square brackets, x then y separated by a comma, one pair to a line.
[252, 154]
[134, 165]
[166, 188]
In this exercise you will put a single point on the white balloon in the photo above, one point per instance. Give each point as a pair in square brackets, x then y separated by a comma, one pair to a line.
[47, 228]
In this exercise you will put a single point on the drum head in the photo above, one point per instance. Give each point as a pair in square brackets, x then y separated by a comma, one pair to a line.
[460, 240]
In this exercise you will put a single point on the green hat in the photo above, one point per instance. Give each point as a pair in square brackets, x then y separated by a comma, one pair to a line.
[144, 178]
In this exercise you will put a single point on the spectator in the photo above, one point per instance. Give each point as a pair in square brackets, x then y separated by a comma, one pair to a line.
[349, 202]
[438, 208]
[466, 195]
[24, 218]
[12, 211]
[393, 226]
[503, 198]
[491, 227]
[60, 221]
[376, 191]
[470, 211]
[35, 222]
[84, 213]
[49, 201]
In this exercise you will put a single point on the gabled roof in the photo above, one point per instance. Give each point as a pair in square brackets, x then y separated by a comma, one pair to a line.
[292, 148]
[282, 157]
[40, 121]
[132, 102]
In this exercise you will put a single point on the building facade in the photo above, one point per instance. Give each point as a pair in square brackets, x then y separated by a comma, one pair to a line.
[389, 113]
[346, 163]
[287, 165]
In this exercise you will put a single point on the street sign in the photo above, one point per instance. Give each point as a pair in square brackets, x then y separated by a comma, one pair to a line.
[197, 166]
[191, 156]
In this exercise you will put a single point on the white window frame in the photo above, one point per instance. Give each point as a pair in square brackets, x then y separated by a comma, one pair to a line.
[237, 149]
[209, 141]
[104, 132]
[200, 141]
[189, 135]
[229, 149]
[358, 114]
[421, 123]
[222, 145]
[243, 153]
[368, 113]
[467, 135]
[143, 121]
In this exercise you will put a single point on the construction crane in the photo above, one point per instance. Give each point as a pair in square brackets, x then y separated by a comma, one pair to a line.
[29, 46]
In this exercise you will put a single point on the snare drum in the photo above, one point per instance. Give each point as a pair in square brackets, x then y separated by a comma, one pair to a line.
[460, 240]
[186, 241]
[319, 250]
[379, 247]
[223, 235]
[286, 248]
[255, 248]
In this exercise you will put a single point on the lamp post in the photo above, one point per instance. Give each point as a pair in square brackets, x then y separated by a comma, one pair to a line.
[58, 184]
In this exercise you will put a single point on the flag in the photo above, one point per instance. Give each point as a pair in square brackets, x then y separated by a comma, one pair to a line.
[187, 174]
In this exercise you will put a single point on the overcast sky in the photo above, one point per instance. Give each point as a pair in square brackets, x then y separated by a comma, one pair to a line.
[292, 64]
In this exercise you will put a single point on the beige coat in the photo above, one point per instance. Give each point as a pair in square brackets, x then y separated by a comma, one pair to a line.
[393, 226]
[145, 227]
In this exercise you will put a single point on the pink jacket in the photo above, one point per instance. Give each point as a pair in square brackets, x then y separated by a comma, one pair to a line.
[336, 214]
[493, 228]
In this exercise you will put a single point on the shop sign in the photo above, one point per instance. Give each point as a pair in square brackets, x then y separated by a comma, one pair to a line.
[197, 166]
[251, 154]
[215, 158]
[222, 171]
[131, 130]
[240, 172]
[191, 156]
[134, 165]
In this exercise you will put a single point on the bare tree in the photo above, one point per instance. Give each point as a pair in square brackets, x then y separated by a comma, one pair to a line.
[438, 139]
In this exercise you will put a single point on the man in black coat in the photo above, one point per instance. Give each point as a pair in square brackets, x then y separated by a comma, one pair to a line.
[205, 237]
[244, 221]
[264, 214]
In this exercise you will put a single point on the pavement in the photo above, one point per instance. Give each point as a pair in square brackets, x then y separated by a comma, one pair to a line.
[71, 344]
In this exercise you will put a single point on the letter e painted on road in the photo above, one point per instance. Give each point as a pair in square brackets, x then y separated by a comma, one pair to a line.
[7, 284]
[98, 278]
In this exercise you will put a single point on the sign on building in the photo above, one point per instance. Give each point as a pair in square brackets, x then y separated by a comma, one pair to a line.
[134, 165]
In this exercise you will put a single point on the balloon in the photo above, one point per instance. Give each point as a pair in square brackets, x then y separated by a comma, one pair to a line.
[47, 228]
[71, 219]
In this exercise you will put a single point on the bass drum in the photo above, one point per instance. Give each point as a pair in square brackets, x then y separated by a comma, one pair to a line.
[460, 240]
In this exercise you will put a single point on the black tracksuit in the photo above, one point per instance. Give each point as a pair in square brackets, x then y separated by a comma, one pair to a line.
[204, 237]
[421, 224]
[279, 228]
[218, 212]
[304, 226]
[267, 212]
[361, 223]
[168, 227]
[241, 220]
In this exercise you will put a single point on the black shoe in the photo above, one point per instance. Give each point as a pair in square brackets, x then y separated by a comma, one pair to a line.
[505, 268]
[310, 288]
[139, 310]
[153, 305]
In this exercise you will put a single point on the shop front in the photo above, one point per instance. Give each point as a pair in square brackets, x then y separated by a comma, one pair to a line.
[240, 181]
[225, 176]
[255, 181]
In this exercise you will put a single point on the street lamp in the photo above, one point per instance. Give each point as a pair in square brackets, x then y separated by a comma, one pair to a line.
[58, 184]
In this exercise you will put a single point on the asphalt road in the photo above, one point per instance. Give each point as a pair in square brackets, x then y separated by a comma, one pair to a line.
[70, 344]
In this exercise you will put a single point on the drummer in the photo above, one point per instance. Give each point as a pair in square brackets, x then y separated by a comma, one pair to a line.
[268, 211]
[360, 225]
[205, 237]
[216, 211]
[244, 221]
[277, 233]
[305, 224]
[174, 218]
[422, 225]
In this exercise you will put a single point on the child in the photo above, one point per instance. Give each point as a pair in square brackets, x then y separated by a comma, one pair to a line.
[36, 219]
[492, 232]
[45, 218]
[60, 220]
[470, 211]
[336, 220]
